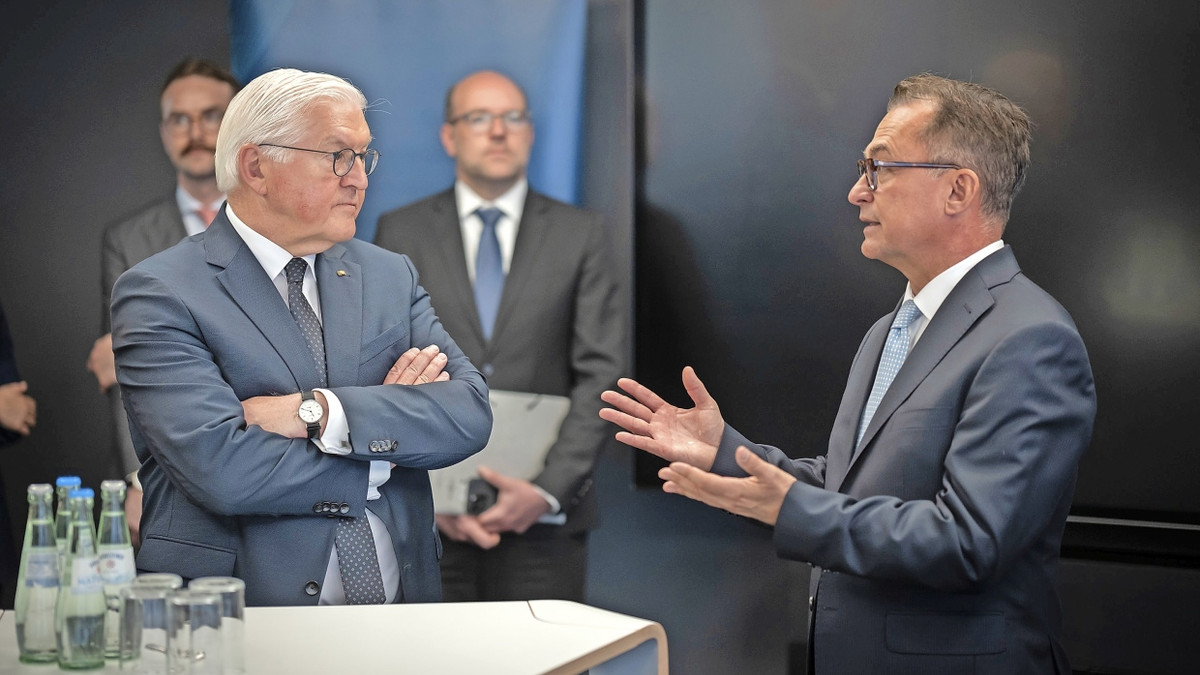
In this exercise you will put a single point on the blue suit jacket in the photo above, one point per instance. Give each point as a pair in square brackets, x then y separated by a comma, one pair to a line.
[199, 328]
[939, 533]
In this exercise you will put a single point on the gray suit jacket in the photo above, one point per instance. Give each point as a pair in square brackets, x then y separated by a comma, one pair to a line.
[939, 534]
[199, 328]
[560, 329]
[125, 243]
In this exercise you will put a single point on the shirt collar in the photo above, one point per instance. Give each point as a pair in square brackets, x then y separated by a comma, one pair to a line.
[270, 255]
[512, 202]
[930, 299]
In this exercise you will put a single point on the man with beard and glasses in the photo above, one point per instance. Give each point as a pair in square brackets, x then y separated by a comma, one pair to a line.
[193, 101]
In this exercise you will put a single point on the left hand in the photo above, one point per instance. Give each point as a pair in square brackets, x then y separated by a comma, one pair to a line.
[18, 410]
[101, 362]
[759, 496]
[518, 504]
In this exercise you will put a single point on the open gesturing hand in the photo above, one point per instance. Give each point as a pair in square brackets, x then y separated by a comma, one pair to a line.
[689, 435]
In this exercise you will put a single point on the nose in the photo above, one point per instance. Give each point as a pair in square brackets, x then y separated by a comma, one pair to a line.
[498, 127]
[859, 192]
[357, 177]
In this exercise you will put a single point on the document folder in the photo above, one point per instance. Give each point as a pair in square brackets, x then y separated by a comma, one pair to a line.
[524, 427]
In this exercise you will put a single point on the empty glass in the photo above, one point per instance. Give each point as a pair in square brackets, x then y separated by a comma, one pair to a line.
[143, 630]
[194, 632]
[233, 624]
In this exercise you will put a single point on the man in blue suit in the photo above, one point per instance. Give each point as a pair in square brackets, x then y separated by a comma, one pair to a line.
[263, 365]
[934, 519]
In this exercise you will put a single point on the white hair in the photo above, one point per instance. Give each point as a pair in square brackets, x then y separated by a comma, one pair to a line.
[273, 108]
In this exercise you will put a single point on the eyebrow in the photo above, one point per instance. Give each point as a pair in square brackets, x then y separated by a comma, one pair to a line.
[876, 148]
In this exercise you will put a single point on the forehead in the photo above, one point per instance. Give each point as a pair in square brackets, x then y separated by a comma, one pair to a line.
[336, 122]
[196, 90]
[486, 92]
[898, 133]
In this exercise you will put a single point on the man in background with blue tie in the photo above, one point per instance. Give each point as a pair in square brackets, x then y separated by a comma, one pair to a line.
[192, 102]
[934, 519]
[527, 287]
[289, 386]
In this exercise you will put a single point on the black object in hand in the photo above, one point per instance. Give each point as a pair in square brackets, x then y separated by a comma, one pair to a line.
[481, 496]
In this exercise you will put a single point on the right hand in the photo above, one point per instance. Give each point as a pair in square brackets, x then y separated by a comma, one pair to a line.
[676, 434]
[418, 366]
[101, 362]
[466, 529]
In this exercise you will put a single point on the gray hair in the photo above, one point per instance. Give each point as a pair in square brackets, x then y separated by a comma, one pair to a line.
[273, 108]
[975, 127]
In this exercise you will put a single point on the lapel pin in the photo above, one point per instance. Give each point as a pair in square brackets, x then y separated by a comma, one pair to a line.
[341, 273]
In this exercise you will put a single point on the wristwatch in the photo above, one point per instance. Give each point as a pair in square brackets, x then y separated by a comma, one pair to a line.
[311, 412]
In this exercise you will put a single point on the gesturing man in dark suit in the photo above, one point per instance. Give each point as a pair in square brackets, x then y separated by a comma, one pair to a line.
[261, 364]
[934, 519]
[192, 103]
[555, 328]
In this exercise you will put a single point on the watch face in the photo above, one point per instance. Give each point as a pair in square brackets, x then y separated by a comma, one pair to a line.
[311, 411]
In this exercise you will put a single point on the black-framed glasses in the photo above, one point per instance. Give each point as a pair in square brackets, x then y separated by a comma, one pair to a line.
[479, 121]
[343, 160]
[870, 168]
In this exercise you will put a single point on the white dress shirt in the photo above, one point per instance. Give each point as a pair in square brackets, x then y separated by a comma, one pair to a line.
[336, 439]
[189, 207]
[930, 299]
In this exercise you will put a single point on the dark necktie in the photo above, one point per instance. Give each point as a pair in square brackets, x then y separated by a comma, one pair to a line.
[489, 271]
[358, 561]
[895, 351]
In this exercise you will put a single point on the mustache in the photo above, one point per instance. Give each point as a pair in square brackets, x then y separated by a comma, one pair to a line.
[198, 146]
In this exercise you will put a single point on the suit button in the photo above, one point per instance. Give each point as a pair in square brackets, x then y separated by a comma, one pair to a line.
[312, 588]
[344, 508]
[487, 369]
[373, 446]
[317, 507]
[812, 602]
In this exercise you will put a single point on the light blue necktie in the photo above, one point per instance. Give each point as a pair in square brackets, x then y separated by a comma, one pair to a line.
[358, 560]
[895, 350]
[489, 271]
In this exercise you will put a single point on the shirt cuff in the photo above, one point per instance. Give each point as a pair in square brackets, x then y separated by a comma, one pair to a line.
[553, 517]
[380, 473]
[336, 439]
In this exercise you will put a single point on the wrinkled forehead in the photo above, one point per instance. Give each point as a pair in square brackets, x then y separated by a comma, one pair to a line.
[900, 130]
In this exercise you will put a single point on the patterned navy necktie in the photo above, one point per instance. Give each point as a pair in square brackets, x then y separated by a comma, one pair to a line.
[489, 271]
[358, 560]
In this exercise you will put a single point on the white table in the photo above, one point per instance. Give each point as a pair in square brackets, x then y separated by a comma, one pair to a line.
[518, 638]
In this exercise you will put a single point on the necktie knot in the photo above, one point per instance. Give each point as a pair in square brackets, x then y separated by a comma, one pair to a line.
[490, 216]
[907, 314]
[206, 215]
[295, 269]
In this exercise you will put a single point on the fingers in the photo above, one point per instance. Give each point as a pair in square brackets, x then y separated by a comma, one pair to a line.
[696, 389]
[496, 478]
[418, 366]
[641, 393]
[473, 530]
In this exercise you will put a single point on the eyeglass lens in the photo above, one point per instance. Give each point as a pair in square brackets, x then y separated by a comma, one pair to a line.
[343, 161]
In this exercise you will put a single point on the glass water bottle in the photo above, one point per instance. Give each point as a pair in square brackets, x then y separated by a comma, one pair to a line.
[37, 581]
[81, 607]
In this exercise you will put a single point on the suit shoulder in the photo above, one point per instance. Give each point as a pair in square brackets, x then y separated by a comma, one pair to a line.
[418, 210]
[559, 211]
[153, 216]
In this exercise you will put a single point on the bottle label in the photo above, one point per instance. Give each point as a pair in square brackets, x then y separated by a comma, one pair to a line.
[85, 576]
[116, 567]
[41, 569]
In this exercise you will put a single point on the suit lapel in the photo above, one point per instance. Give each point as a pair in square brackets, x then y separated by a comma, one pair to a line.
[965, 305]
[340, 284]
[247, 284]
[448, 244]
[531, 237]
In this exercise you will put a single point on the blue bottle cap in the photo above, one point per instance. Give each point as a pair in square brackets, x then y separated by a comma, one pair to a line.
[68, 481]
[86, 493]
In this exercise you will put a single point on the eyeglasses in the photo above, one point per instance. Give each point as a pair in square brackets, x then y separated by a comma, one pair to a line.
[870, 168]
[343, 160]
[182, 123]
[479, 121]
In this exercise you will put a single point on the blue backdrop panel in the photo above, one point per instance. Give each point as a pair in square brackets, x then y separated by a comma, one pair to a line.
[404, 56]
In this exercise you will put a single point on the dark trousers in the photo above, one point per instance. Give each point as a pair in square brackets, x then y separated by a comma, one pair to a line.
[520, 567]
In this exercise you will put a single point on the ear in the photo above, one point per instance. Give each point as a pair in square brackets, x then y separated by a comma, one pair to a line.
[252, 169]
[964, 192]
[448, 142]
